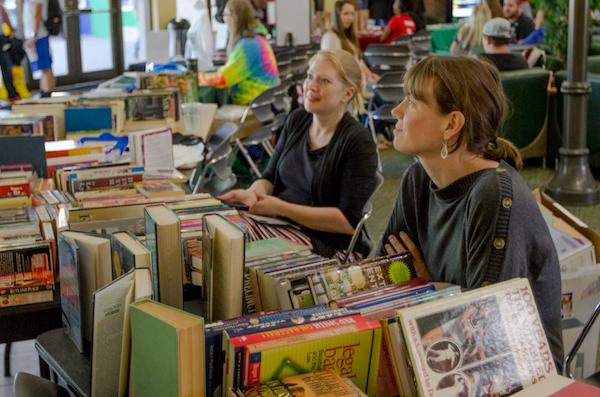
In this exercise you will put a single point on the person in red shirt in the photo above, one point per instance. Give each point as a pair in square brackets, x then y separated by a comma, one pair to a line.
[401, 23]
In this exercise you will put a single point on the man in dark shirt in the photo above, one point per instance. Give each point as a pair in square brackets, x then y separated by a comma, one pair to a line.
[521, 25]
[496, 35]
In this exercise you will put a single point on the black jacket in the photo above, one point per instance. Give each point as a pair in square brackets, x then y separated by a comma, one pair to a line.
[346, 181]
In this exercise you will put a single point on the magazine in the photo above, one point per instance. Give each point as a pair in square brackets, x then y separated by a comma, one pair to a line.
[488, 341]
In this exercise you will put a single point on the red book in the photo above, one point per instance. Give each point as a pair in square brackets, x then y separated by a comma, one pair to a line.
[14, 188]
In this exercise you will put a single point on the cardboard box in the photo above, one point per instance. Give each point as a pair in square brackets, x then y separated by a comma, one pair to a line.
[580, 295]
[576, 244]
[562, 213]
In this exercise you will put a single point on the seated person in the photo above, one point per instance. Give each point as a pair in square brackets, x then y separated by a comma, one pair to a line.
[401, 24]
[496, 35]
[463, 210]
[521, 24]
[251, 67]
[537, 36]
[468, 39]
[322, 172]
[342, 36]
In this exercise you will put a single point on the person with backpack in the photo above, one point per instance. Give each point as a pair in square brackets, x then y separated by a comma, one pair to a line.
[6, 60]
[36, 20]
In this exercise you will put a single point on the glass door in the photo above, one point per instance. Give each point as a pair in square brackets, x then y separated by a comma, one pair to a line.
[90, 46]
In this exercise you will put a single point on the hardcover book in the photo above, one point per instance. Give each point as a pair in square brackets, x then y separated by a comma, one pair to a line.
[167, 351]
[163, 239]
[486, 341]
[223, 261]
[70, 289]
[128, 253]
[352, 350]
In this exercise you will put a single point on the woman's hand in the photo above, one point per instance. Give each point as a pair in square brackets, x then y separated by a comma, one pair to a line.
[267, 205]
[395, 246]
[245, 197]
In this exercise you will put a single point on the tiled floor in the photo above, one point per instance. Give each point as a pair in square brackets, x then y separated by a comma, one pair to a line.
[23, 355]
[23, 358]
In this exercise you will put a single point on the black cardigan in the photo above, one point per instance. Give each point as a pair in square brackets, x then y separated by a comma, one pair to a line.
[346, 181]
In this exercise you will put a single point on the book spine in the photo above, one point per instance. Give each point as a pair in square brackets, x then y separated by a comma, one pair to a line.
[73, 152]
[26, 298]
[28, 263]
[21, 189]
[24, 290]
[292, 320]
[254, 361]
[109, 182]
[301, 329]
[238, 367]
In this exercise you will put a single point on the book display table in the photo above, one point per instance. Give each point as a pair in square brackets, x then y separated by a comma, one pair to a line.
[62, 363]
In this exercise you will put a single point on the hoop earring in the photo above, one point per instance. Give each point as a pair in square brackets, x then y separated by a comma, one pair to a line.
[444, 151]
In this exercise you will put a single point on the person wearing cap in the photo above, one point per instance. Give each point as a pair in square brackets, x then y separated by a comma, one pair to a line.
[496, 36]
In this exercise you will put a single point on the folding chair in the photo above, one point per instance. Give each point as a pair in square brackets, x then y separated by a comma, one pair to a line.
[367, 211]
[262, 107]
[420, 45]
[284, 56]
[28, 385]
[384, 57]
[214, 173]
[282, 100]
[390, 91]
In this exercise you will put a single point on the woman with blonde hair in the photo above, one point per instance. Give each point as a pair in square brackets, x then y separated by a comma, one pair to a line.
[469, 38]
[251, 67]
[495, 8]
[343, 35]
[463, 210]
[323, 169]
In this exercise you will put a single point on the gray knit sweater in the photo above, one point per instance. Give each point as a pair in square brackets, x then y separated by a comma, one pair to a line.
[485, 226]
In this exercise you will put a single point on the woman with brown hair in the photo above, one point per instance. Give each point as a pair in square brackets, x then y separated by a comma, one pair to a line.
[323, 169]
[463, 210]
[251, 67]
[343, 35]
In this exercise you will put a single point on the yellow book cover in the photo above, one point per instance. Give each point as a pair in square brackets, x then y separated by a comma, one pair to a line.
[352, 351]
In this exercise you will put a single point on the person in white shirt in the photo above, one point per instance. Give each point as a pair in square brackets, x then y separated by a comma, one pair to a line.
[37, 43]
[199, 43]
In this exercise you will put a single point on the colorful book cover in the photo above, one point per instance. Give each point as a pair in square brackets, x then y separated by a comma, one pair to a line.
[486, 341]
[312, 384]
[350, 350]
[215, 357]
[70, 291]
[26, 268]
[367, 275]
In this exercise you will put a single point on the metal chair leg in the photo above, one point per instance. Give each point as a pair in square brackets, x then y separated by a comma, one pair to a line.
[246, 155]
[7, 359]
[268, 147]
[579, 342]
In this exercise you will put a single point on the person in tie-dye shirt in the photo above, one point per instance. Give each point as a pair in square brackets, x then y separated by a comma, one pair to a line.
[251, 67]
